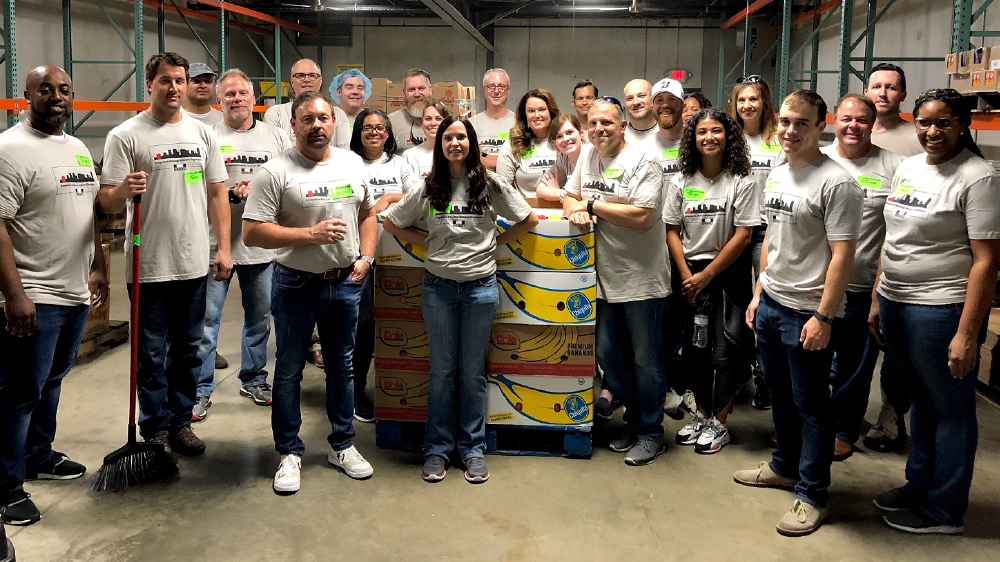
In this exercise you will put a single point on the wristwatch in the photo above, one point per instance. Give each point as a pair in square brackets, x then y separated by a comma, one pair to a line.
[822, 318]
[369, 259]
[233, 198]
[590, 207]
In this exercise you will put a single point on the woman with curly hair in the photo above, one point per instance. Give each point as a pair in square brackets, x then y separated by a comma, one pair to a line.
[710, 207]
[524, 160]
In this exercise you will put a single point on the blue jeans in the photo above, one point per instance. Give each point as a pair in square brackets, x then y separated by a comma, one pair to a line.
[630, 351]
[458, 316]
[31, 373]
[171, 322]
[299, 301]
[800, 399]
[854, 361]
[943, 414]
[364, 345]
[255, 287]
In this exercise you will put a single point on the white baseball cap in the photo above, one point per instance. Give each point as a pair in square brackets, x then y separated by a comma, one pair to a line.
[668, 85]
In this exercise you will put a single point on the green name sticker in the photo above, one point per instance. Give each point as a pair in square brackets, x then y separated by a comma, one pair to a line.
[503, 136]
[342, 192]
[694, 194]
[771, 185]
[83, 160]
[770, 148]
[446, 210]
[671, 153]
[135, 240]
[870, 182]
[530, 152]
[614, 173]
[194, 177]
[226, 149]
[904, 189]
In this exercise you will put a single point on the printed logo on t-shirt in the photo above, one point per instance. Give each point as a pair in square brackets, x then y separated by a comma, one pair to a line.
[780, 208]
[532, 163]
[669, 163]
[458, 213]
[597, 188]
[492, 145]
[759, 162]
[74, 180]
[181, 158]
[381, 186]
[415, 140]
[315, 194]
[910, 201]
[701, 210]
[244, 162]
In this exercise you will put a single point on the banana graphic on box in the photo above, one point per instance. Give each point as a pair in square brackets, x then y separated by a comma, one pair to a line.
[551, 346]
[546, 251]
[411, 397]
[549, 306]
[416, 348]
[550, 408]
[397, 287]
[389, 243]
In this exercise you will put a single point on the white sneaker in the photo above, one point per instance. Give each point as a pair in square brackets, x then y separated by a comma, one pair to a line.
[287, 479]
[689, 434]
[676, 405]
[713, 438]
[351, 462]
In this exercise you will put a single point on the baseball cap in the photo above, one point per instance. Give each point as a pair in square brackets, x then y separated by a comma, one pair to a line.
[199, 69]
[668, 85]
[339, 79]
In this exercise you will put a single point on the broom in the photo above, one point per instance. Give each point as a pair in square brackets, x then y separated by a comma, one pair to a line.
[136, 462]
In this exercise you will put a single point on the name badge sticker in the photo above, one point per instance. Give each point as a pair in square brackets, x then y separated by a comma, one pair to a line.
[694, 194]
[342, 192]
[671, 153]
[194, 176]
[226, 149]
[503, 136]
[83, 160]
[770, 148]
[614, 173]
[870, 182]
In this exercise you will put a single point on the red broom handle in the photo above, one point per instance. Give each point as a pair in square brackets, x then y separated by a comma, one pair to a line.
[134, 316]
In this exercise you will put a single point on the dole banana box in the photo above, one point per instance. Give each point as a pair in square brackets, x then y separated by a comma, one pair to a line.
[540, 401]
[546, 297]
[390, 250]
[553, 245]
[538, 350]
[401, 395]
[401, 345]
[397, 293]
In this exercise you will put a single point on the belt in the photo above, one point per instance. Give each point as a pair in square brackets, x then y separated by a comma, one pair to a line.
[335, 273]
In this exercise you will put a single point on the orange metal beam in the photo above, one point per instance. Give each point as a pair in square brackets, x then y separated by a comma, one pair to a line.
[202, 16]
[824, 8]
[259, 16]
[744, 13]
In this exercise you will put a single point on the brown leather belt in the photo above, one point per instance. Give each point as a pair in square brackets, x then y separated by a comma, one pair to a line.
[335, 273]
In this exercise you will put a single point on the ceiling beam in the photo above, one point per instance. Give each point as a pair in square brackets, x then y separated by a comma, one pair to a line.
[450, 14]
[743, 14]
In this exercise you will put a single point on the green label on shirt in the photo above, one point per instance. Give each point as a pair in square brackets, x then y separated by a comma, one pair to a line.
[226, 149]
[614, 173]
[194, 177]
[870, 182]
[694, 194]
[904, 189]
[770, 148]
[529, 153]
[671, 153]
[503, 136]
[83, 160]
[771, 185]
[446, 210]
[135, 240]
[342, 192]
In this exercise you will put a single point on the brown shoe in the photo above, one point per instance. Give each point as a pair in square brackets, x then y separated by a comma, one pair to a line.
[317, 358]
[842, 450]
[763, 477]
[802, 519]
[186, 443]
[160, 439]
[220, 362]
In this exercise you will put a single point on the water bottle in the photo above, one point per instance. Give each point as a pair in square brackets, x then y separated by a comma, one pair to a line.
[334, 210]
[700, 336]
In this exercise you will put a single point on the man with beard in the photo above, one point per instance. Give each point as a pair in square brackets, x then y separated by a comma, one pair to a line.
[306, 77]
[48, 248]
[642, 121]
[887, 89]
[493, 125]
[349, 90]
[201, 94]
[406, 121]
[313, 205]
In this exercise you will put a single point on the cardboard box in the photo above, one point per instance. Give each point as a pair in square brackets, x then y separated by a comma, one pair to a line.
[989, 80]
[401, 345]
[964, 62]
[546, 297]
[980, 58]
[541, 350]
[390, 250]
[98, 319]
[447, 90]
[394, 97]
[401, 395]
[977, 80]
[553, 245]
[377, 98]
[526, 400]
[470, 92]
[962, 82]
[397, 293]
[951, 63]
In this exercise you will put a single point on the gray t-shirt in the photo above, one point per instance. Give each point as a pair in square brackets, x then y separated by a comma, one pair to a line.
[281, 117]
[420, 159]
[493, 134]
[708, 211]
[636, 136]
[406, 130]
[873, 172]
[181, 159]
[47, 191]
[631, 264]
[764, 157]
[807, 207]
[461, 239]
[389, 174]
[901, 139]
[294, 191]
[524, 171]
[562, 170]
[244, 152]
[211, 118]
[931, 215]
[667, 153]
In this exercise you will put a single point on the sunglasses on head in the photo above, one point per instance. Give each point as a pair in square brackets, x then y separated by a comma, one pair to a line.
[613, 100]
[752, 79]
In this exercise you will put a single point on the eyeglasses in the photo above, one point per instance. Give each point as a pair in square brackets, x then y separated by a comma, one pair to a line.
[496, 88]
[943, 124]
[304, 75]
[373, 128]
[752, 79]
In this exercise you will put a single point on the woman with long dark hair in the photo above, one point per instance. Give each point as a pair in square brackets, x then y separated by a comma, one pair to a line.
[937, 275]
[529, 153]
[458, 203]
[710, 208]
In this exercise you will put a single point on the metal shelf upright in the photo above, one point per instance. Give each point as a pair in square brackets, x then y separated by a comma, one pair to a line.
[9, 56]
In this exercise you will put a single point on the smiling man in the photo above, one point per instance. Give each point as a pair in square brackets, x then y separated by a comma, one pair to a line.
[349, 90]
[887, 89]
[406, 121]
[201, 94]
[307, 77]
[639, 105]
[493, 125]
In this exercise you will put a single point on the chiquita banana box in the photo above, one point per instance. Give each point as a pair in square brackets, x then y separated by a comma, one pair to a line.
[397, 293]
[401, 395]
[539, 350]
[401, 345]
[553, 245]
[532, 400]
[390, 250]
[546, 297]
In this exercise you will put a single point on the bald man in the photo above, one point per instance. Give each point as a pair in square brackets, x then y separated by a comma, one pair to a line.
[51, 269]
[639, 105]
[307, 77]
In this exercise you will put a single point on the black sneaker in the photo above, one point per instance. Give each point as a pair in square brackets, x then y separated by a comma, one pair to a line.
[603, 411]
[435, 468]
[475, 470]
[912, 522]
[894, 500]
[57, 467]
[18, 509]
[364, 410]
[625, 440]
[259, 393]
[761, 399]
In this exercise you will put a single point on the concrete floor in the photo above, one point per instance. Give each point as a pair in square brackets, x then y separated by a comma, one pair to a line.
[684, 506]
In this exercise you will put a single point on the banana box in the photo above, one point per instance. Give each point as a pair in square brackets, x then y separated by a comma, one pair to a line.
[390, 250]
[553, 245]
[546, 297]
[397, 293]
[401, 345]
[401, 395]
[531, 400]
[539, 350]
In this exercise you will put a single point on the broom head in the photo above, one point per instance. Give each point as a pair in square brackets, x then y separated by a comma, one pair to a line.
[135, 463]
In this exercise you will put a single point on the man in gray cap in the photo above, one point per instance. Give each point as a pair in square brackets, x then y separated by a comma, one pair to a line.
[200, 95]
[349, 90]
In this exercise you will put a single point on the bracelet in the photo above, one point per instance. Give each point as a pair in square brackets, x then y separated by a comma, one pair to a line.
[822, 318]
[590, 207]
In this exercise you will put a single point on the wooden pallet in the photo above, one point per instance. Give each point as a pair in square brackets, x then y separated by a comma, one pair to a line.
[116, 333]
[500, 439]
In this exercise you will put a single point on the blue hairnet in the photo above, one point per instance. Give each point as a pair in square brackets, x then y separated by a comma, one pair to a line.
[338, 81]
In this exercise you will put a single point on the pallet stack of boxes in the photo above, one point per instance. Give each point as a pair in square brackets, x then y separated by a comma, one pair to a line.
[974, 71]
[540, 362]
[388, 96]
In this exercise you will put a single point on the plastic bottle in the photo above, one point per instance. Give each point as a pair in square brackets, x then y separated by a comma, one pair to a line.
[700, 336]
